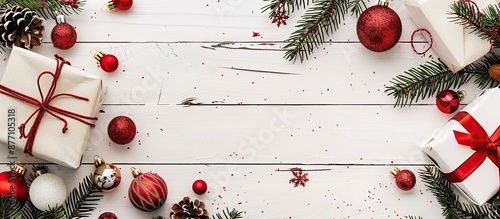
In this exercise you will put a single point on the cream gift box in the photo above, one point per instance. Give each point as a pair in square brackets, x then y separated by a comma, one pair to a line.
[465, 149]
[454, 44]
[50, 143]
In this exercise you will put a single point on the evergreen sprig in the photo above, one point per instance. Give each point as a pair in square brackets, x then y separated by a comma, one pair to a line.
[10, 207]
[484, 23]
[319, 21]
[226, 214]
[51, 8]
[442, 189]
[278, 7]
[434, 76]
[82, 200]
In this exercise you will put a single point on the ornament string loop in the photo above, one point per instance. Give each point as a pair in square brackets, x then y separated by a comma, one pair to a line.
[478, 140]
[430, 43]
[43, 106]
[474, 8]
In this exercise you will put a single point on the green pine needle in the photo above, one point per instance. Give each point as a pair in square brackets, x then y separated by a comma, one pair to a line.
[319, 21]
[51, 8]
[233, 214]
[9, 208]
[283, 6]
[54, 213]
[82, 200]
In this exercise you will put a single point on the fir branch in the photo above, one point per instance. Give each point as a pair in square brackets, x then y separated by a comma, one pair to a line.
[442, 189]
[233, 214]
[10, 207]
[51, 8]
[480, 70]
[54, 213]
[485, 24]
[82, 200]
[276, 7]
[322, 19]
[425, 81]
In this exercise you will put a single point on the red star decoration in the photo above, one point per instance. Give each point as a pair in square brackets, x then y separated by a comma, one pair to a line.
[299, 178]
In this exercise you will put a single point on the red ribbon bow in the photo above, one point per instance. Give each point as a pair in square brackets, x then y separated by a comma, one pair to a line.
[478, 140]
[44, 106]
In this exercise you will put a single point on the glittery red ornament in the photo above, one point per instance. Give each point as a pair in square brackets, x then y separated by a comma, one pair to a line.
[108, 62]
[120, 4]
[379, 28]
[448, 101]
[405, 179]
[121, 130]
[12, 184]
[63, 35]
[200, 187]
[148, 191]
[108, 215]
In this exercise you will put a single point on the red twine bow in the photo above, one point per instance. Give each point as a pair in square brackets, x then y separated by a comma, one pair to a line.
[493, 32]
[44, 106]
[478, 140]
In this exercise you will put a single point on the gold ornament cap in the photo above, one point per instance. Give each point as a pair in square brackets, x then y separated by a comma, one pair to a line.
[394, 171]
[60, 19]
[98, 161]
[41, 171]
[98, 55]
[20, 169]
[135, 172]
[111, 5]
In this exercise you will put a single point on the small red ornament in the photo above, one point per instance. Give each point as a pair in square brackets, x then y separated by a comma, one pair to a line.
[72, 3]
[121, 130]
[108, 62]
[379, 28]
[405, 179]
[63, 35]
[148, 191]
[120, 4]
[448, 101]
[200, 187]
[108, 215]
[12, 184]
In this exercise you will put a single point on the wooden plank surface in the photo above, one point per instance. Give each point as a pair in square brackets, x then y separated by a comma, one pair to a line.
[258, 113]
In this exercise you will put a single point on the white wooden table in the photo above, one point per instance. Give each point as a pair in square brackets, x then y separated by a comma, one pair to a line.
[259, 113]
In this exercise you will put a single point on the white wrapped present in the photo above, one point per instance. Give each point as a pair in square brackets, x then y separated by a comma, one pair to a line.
[57, 113]
[465, 149]
[456, 46]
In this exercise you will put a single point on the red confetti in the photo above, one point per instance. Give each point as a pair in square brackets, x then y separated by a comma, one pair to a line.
[299, 178]
[256, 34]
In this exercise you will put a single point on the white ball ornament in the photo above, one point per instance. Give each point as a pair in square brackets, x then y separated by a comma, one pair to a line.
[47, 190]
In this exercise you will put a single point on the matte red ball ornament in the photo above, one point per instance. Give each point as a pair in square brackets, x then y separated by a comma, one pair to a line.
[448, 101]
[108, 215]
[148, 191]
[379, 28]
[12, 184]
[120, 4]
[405, 179]
[108, 62]
[63, 35]
[200, 187]
[121, 130]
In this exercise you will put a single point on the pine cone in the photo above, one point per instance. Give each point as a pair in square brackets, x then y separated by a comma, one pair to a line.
[187, 209]
[21, 27]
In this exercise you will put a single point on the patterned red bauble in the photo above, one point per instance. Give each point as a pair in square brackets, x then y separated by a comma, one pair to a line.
[121, 130]
[108, 62]
[405, 179]
[200, 187]
[148, 191]
[12, 184]
[448, 101]
[108, 215]
[120, 4]
[63, 35]
[379, 28]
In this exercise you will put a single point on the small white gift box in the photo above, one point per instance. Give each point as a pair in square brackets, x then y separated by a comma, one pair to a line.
[25, 91]
[465, 149]
[456, 46]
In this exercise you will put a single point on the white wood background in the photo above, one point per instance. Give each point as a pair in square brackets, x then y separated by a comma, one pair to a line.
[259, 113]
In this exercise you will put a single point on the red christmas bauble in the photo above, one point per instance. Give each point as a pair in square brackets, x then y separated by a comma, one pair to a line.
[200, 187]
[379, 28]
[120, 4]
[405, 179]
[148, 191]
[448, 101]
[109, 63]
[108, 215]
[63, 35]
[121, 130]
[12, 184]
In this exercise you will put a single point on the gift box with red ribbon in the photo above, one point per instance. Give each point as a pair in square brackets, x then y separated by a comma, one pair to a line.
[47, 108]
[465, 150]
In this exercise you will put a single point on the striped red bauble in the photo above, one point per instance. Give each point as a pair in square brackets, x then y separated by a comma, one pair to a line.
[148, 191]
